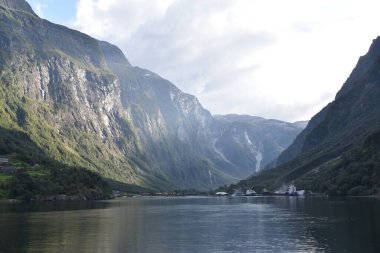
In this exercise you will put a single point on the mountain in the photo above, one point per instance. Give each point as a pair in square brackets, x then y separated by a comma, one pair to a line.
[338, 152]
[183, 141]
[70, 99]
[251, 143]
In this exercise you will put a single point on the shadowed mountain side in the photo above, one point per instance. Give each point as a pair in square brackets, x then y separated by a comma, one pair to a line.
[325, 157]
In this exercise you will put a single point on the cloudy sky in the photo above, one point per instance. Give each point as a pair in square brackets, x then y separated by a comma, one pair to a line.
[282, 59]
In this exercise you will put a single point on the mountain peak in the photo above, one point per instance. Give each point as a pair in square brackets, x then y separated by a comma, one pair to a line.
[19, 5]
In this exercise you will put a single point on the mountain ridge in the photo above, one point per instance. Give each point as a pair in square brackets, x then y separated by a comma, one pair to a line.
[325, 156]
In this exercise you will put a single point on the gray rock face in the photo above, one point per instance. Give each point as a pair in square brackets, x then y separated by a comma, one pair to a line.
[251, 143]
[174, 129]
[58, 80]
[189, 145]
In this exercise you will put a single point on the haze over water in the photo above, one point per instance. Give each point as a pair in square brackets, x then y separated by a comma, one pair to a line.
[174, 225]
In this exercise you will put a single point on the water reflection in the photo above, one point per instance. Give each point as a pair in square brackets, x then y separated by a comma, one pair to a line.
[193, 225]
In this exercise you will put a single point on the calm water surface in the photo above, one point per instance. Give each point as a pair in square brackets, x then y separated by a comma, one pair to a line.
[175, 225]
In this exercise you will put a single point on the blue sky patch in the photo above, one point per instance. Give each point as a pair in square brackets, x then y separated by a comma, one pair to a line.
[56, 11]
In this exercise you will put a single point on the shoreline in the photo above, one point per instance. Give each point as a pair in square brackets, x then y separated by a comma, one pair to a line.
[76, 198]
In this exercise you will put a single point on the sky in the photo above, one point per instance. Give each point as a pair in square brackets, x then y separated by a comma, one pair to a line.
[281, 59]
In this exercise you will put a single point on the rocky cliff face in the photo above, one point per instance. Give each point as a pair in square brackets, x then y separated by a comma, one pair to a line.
[63, 95]
[251, 143]
[184, 141]
[172, 126]
[82, 103]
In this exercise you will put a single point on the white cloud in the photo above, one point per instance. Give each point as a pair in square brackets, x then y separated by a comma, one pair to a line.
[273, 58]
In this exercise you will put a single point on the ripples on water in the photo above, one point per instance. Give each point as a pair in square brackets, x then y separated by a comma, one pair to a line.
[216, 225]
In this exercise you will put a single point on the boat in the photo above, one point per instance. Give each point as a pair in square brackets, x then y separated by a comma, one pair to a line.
[221, 194]
[250, 192]
[301, 192]
[292, 191]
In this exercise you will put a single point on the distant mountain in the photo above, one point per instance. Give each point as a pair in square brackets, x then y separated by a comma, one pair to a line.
[301, 124]
[251, 143]
[79, 102]
[338, 152]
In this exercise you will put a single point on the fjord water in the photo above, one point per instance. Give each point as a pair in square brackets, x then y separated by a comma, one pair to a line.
[243, 224]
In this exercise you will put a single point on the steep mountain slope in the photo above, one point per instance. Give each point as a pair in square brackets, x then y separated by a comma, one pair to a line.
[182, 139]
[250, 142]
[172, 126]
[56, 88]
[83, 104]
[324, 155]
